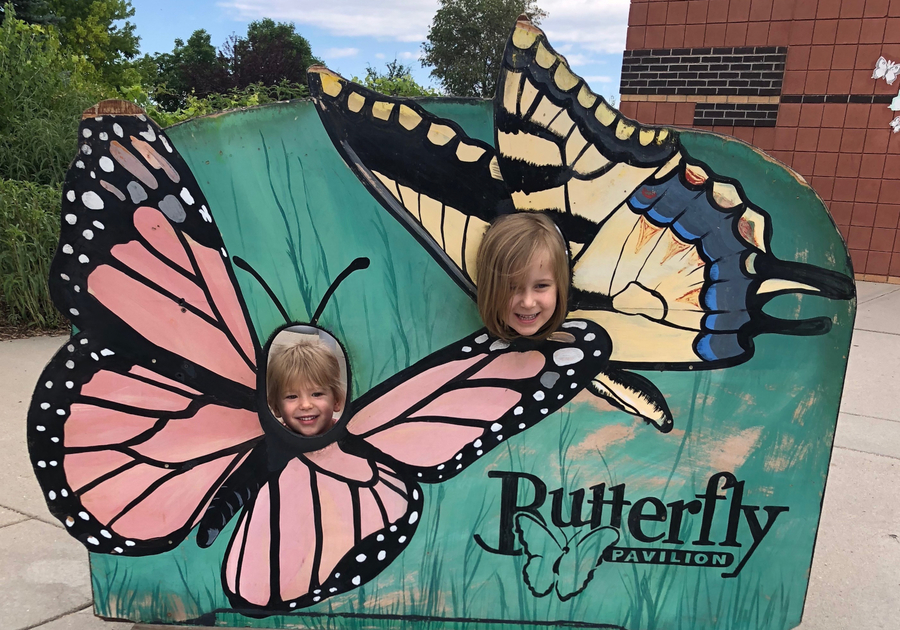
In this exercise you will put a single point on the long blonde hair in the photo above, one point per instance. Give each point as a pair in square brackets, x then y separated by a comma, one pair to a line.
[306, 363]
[506, 250]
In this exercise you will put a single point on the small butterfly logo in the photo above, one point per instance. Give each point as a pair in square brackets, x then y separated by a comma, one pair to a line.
[566, 568]
[886, 69]
[895, 124]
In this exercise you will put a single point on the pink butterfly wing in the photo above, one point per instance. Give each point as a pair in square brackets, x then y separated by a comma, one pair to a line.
[129, 459]
[444, 413]
[325, 524]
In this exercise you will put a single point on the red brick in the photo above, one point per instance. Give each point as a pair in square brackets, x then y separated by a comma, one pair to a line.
[779, 33]
[717, 11]
[677, 13]
[628, 108]
[634, 39]
[848, 165]
[892, 31]
[895, 264]
[890, 191]
[804, 10]
[876, 141]
[757, 34]
[788, 114]
[665, 114]
[853, 140]
[876, 8]
[844, 188]
[848, 31]
[760, 10]
[845, 232]
[816, 82]
[860, 237]
[802, 32]
[894, 8]
[798, 58]
[841, 211]
[863, 214]
[743, 133]
[824, 32]
[887, 215]
[896, 246]
[862, 82]
[637, 16]
[872, 31]
[794, 81]
[893, 140]
[867, 190]
[839, 81]
[736, 34]
[715, 34]
[694, 36]
[811, 114]
[844, 57]
[696, 12]
[674, 36]
[820, 57]
[823, 186]
[684, 113]
[882, 240]
[878, 262]
[785, 139]
[833, 114]
[872, 165]
[782, 156]
[764, 138]
[646, 112]
[857, 115]
[830, 139]
[654, 37]
[784, 10]
[656, 13]
[807, 139]
[826, 164]
[891, 166]
[858, 258]
[867, 56]
[803, 163]
[852, 8]
[828, 9]
[738, 11]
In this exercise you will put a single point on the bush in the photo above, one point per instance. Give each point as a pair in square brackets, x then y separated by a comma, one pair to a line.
[29, 233]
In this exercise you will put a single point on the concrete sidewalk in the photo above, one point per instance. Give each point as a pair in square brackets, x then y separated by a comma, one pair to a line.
[855, 581]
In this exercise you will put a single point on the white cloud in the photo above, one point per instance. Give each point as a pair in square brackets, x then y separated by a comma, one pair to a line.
[588, 25]
[339, 53]
[601, 78]
[379, 55]
[410, 56]
[402, 20]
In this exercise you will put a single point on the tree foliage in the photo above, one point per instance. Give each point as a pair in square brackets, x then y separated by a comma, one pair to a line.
[269, 54]
[466, 40]
[31, 11]
[396, 80]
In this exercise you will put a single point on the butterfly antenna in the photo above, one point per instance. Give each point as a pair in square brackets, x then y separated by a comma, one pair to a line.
[243, 264]
[359, 263]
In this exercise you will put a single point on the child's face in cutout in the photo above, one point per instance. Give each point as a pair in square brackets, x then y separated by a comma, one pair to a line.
[308, 410]
[534, 299]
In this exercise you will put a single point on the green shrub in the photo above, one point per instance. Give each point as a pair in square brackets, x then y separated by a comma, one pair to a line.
[29, 233]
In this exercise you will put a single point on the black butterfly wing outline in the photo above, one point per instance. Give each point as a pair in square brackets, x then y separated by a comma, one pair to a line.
[580, 559]
[543, 553]
[681, 262]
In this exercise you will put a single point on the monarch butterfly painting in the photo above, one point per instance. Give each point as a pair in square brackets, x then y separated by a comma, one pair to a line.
[468, 477]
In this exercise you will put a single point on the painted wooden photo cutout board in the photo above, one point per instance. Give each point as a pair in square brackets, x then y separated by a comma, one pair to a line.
[659, 462]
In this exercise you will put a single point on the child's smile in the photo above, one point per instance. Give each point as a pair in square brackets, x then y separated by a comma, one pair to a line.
[308, 410]
[533, 302]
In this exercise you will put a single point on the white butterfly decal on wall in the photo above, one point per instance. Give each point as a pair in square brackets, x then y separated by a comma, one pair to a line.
[895, 124]
[886, 69]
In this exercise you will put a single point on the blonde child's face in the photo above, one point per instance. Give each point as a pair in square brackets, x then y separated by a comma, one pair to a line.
[533, 301]
[308, 410]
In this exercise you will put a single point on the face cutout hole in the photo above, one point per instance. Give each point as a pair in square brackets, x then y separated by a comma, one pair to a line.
[306, 380]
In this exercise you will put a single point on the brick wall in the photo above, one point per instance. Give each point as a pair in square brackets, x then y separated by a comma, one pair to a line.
[794, 78]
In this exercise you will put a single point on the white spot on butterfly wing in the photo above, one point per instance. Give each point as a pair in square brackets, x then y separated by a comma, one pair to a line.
[568, 356]
[165, 143]
[496, 427]
[477, 443]
[538, 395]
[467, 349]
[413, 517]
[106, 164]
[149, 135]
[70, 195]
[86, 149]
[186, 195]
[382, 554]
[83, 259]
[86, 132]
[356, 580]
[92, 200]
[98, 225]
[117, 129]
[103, 136]
[71, 219]
[204, 212]
[361, 557]
[88, 234]
[79, 164]
[575, 324]
[45, 406]
[481, 338]
[499, 345]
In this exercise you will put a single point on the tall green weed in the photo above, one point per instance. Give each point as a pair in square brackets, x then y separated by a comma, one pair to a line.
[29, 233]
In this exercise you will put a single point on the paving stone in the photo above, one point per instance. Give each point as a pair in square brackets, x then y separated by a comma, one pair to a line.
[8, 517]
[879, 313]
[868, 291]
[45, 574]
[870, 435]
[873, 376]
[85, 620]
[856, 566]
[21, 363]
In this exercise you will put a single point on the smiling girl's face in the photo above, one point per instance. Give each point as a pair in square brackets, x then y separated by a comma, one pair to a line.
[533, 299]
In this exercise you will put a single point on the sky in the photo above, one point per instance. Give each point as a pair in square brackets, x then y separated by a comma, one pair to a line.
[352, 34]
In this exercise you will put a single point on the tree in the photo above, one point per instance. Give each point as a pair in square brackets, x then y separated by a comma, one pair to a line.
[466, 40]
[270, 54]
[31, 11]
[87, 28]
[397, 80]
[191, 68]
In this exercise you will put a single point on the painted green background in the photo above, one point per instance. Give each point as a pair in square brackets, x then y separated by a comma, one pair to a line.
[286, 202]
